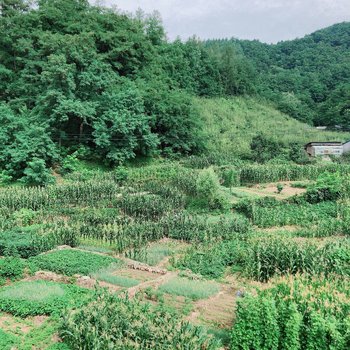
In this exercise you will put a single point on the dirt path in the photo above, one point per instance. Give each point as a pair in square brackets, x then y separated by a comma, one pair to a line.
[218, 309]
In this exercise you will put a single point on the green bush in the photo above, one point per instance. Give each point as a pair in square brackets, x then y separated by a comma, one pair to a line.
[39, 298]
[70, 164]
[298, 313]
[328, 187]
[24, 216]
[113, 322]
[36, 174]
[121, 175]
[208, 188]
[19, 242]
[70, 262]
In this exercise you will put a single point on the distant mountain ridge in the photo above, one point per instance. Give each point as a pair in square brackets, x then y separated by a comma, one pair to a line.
[308, 78]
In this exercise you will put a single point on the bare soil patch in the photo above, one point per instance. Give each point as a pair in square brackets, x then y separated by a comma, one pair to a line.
[270, 189]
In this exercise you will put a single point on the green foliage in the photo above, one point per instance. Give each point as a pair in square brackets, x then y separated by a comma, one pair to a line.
[106, 275]
[7, 341]
[39, 298]
[24, 217]
[36, 174]
[280, 188]
[208, 188]
[70, 164]
[328, 187]
[232, 123]
[115, 322]
[70, 262]
[11, 267]
[121, 175]
[298, 313]
[264, 149]
[266, 257]
[211, 260]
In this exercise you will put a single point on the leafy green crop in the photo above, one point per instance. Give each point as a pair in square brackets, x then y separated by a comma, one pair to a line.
[70, 262]
[39, 298]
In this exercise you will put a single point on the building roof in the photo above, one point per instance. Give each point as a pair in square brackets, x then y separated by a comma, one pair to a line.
[326, 143]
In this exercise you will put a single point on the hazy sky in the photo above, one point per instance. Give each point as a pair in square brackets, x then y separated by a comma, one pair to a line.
[266, 20]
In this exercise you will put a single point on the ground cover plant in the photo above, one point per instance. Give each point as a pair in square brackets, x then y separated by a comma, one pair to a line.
[39, 298]
[70, 262]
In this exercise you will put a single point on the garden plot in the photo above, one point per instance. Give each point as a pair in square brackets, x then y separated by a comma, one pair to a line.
[158, 253]
[278, 190]
[216, 310]
[31, 298]
[70, 262]
[35, 333]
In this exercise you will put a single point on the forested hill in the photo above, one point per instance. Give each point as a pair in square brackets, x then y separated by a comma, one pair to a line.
[307, 78]
[99, 84]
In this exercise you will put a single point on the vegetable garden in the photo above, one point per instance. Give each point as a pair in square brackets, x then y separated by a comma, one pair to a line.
[165, 239]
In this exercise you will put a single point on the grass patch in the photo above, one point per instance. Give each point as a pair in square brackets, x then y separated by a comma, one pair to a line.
[121, 281]
[70, 262]
[155, 253]
[107, 275]
[192, 289]
[39, 298]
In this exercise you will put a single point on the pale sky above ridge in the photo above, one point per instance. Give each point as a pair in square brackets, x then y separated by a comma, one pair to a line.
[266, 20]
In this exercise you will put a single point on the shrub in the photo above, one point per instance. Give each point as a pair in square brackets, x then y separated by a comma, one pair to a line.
[70, 164]
[208, 188]
[328, 187]
[279, 188]
[264, 149]
[19, 242]
[24, 217]
[70, 262]
[190, 288]
[39, 298]
[36, 174]
[113, 322]
[121, 175]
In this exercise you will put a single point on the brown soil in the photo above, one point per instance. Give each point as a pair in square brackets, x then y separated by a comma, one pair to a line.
[218, 310]
[9, 323]
[270, 189]
[139, 275]
[288, 228]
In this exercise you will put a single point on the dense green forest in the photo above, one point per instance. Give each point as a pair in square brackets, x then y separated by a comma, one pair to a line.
[307, 78]
[110, 86]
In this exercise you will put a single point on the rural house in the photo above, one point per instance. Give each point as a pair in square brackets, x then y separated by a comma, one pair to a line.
[331, 148]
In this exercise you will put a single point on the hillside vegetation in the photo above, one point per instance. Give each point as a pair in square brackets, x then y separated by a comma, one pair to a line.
[307, 78]
[231, 124]
[89, 81]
